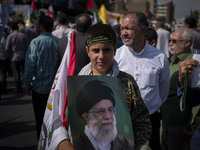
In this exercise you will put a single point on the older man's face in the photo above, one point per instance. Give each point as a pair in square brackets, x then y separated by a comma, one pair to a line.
[102, 121]
[131, 33]
[177, 43]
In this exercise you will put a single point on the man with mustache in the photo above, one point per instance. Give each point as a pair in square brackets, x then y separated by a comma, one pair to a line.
[95, 104]
[148, 65]
[176, 122]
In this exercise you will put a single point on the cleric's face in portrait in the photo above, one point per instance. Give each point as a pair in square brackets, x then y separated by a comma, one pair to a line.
[95, 104]
[101, 121]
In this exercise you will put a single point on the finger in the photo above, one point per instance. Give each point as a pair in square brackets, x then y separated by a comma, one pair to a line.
[189, 67]
[192, 62]
[189, 62]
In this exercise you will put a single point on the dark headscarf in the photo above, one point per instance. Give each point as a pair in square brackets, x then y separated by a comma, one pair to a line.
[92, 93]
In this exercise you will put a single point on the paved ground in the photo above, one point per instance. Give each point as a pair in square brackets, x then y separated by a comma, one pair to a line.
[17, 122]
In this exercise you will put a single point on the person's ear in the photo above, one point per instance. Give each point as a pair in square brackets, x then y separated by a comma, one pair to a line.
[153, 43]
[85, 116]
[188, 43]
[87, 50]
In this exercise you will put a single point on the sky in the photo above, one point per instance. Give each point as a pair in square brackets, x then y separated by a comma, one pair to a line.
[183, 7]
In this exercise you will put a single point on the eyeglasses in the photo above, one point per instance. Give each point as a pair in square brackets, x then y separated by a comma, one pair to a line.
[102, 111]
[127, 28]
[175, 41]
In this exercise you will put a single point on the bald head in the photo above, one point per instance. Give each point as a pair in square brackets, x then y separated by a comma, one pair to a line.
[83, 22]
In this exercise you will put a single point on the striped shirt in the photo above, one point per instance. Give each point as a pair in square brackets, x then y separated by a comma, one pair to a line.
[39, 71]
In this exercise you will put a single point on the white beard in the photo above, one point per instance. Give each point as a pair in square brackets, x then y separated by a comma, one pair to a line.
[104, 134]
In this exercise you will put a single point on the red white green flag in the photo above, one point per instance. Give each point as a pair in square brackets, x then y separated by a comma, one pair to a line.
[50, 12]
[33, 13]
[91, 7]
[53, 128]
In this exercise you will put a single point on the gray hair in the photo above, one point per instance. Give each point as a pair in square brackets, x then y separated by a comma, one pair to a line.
[187, 34]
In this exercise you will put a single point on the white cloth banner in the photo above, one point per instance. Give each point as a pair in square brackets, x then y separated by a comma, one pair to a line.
[53, 132]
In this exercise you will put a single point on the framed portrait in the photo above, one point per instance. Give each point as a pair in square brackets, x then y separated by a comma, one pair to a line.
[122, 115]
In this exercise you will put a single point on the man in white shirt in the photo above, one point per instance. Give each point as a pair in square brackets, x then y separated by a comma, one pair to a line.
[163, 38]
[63, 29]
[148, 65]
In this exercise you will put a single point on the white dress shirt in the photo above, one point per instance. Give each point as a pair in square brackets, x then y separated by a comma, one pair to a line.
[150, 69]
[163, 41]
[62, 31]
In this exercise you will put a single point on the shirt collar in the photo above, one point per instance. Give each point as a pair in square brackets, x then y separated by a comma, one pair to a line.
[180, 57]
[63, 27]
[140, 53]
[46, 33]
[183, 55]
[114, 71]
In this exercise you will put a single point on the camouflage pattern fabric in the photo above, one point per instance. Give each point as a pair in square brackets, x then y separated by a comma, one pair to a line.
[138, 111]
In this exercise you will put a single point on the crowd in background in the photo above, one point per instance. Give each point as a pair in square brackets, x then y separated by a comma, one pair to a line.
[33, 55]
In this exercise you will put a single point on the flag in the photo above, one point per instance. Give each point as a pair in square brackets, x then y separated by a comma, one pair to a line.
[53, 131]
[103, 15]
[50, 12]
[92, 8]
[111, 18]
[114, 18]
[33, 12]
[120, 20]
[183, 97]
[112, 22]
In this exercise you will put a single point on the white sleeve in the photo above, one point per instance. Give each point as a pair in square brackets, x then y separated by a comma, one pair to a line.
[164, 82]
[53, 131]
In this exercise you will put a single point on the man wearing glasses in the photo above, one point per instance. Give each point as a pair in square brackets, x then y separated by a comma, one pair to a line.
[95, 104]
[176, 122]
[148, 65]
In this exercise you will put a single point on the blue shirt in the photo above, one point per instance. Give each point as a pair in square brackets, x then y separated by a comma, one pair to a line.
[39, 71]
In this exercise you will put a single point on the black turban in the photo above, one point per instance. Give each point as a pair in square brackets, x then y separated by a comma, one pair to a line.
[92, 93]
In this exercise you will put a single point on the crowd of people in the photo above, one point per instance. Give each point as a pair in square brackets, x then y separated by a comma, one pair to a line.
[154, 66]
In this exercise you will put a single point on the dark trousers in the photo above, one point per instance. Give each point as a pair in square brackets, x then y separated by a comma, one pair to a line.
[155, 134]
[3, 74]
[17, 69]
[39, 105]
[3, 82]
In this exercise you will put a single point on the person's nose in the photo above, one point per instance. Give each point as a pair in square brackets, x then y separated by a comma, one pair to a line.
[107, 115]
[101, 54]
[124, 33]
[170, 43]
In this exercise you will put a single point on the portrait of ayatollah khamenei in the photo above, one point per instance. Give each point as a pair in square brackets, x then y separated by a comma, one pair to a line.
[98, 114]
